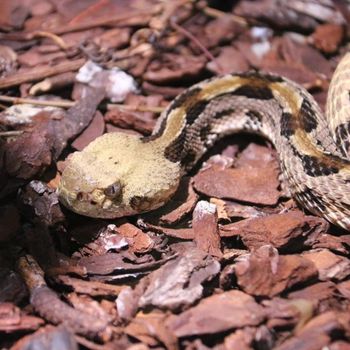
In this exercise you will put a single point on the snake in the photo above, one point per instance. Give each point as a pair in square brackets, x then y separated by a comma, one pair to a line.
[120, 174]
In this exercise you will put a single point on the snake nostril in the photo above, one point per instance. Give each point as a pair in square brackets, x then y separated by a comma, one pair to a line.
[80, 196]
[93, 202]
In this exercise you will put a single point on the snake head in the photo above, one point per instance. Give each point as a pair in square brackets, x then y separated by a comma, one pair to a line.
[118, 175]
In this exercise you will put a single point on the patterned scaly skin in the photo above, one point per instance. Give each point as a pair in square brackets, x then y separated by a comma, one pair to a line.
[119, 175]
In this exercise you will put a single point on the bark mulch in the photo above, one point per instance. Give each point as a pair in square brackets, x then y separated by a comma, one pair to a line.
[231, 262]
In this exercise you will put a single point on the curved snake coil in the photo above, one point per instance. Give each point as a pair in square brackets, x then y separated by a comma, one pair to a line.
[119, 174]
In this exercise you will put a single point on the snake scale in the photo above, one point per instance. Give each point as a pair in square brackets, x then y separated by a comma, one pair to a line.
[118, 174]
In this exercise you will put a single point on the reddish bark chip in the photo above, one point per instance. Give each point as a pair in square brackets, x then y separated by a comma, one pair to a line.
[13, 320]
[266, 273]
[339, 345]
[139, 241]
[221, 29]
[92, 288]
[327, 37]
[254, 180]
[174, 67]
[259, 187]
[48, 337]
[179, 282]
[140, 121]
[205, 227]
[224, 64]
[316, 334]
[150, 329]
[288, 313]
[344, 288]
[181, 204]
[218, 313]
[39, 201]
[294, 71]
[32, 152]
[241, 339]
[323, 294]
[256, 156]
[290, 229]
[94, 130]
[328, 264]
[113, 38]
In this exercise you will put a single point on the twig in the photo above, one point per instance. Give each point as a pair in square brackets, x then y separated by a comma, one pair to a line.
[217, 14]
[55, 38]
[100, 22]
[191, 37]
[11, 133]
[32, 101]
[49, 305]
[36, 74]
[68, 104]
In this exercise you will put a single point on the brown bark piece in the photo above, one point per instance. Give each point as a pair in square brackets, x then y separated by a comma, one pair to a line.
[328, 264]
[150, 329]
[94, 130]
[233, 210]
[254, 180]
[266, 273]
[316, 334]
[113, 38]
[224, 64]
[139, 241]
[339, 345]
[48, 305]
[258, 186]
[180, 233]
[288, 230]
[181, 204]
[92, 288]
[13, 14]
[13, 320]
[119, 237]
[339, 244]
[322, 293]
[283, 14]
[292, 70]
[256, 156]
[31, 153]
[114, 263]
[241, 339]
[143, 122]
[288, 313]
[218, 313]
[48, 337]
[327, 37]
[205, 227]
[179, 282]
[220, 30]
[344, 289]
[174, 67]
[40, 202]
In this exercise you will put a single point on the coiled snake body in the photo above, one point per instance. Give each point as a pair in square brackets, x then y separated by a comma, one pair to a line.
[119, 174]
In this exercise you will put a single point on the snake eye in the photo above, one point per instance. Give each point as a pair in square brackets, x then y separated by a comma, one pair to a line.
[113, 191]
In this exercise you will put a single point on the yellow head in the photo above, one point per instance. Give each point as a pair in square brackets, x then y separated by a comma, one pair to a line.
[118, 175]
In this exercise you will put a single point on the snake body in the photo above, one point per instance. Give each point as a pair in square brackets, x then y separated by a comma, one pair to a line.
[118, 174]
